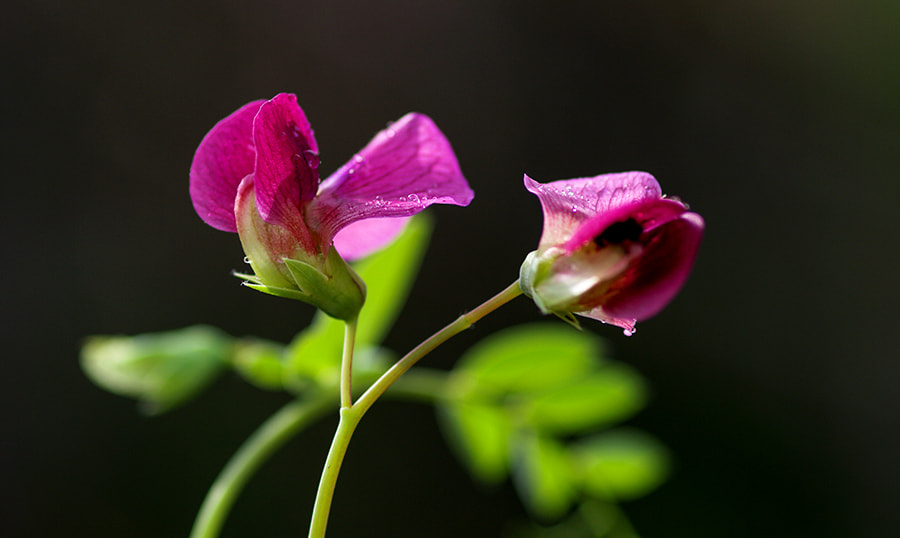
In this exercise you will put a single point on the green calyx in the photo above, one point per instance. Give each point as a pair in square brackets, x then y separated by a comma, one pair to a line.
[334, 288]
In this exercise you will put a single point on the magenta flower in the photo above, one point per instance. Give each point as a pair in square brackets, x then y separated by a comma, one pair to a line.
[256, 173]
[613, 248]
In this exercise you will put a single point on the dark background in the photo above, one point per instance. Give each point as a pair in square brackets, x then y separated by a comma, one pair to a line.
[774, 372]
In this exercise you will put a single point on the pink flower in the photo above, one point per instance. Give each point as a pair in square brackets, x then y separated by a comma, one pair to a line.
[613, 248]
[257, 173]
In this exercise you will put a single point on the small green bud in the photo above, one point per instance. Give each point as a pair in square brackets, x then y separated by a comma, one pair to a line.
[335, 288]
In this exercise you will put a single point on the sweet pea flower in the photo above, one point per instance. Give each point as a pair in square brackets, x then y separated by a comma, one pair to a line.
[256, 173]
[613, 248]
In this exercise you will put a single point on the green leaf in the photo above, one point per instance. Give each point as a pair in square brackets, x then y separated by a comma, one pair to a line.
[161, 370]
[480, 435]
[260, 362]
[529, 358]
[621, 464]
[315, 353]
[543, 476]
[612, 394]
[389, 275]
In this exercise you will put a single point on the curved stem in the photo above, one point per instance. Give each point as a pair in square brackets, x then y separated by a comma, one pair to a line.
[462, 323]
[350, 416]
[268, 438]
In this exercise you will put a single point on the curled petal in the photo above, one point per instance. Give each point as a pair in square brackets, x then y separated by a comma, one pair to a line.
[404, 169]
[650, 214]
[225, 156]
[655, 278]
[363, 237]
[568, 203]
[287, 160]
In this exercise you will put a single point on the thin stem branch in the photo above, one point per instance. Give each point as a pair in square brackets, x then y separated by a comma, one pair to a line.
[462, 323]
[268, 438]
[347, 363]
[350, 416]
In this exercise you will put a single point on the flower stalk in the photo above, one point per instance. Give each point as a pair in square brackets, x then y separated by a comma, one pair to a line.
[270, 436]
[351, 415]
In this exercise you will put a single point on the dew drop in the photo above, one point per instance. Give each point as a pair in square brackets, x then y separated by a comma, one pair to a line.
[246, 259]
[312, 158]
[629, 332]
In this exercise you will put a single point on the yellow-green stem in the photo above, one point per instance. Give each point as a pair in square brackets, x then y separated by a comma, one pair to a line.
[268, 438]
[347, 363]
[350, 416]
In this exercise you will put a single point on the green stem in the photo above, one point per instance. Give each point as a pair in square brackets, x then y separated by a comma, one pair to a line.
[350, 416]
[347, 363]
[421, 385]
[268, 438]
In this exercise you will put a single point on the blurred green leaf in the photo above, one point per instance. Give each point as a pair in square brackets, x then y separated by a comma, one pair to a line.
[529, 358]
[543, 475]
[621, 464]
[260, 362]
[592, 519]
[480, 434]
[389, 274]
[315, 353]
[161, 370]
[613, 393]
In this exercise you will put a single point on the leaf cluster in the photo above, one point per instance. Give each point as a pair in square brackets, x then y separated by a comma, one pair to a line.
[539, 403]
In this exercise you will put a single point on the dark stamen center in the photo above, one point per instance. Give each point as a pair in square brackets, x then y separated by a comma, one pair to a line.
[619, 232]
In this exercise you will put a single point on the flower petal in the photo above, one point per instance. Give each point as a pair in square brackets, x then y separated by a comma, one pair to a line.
[287, 159]
[600, 315]
[570, 202]
[649, 214]
[225, 156]
[654, 279]
[404, 169]
[363, 237]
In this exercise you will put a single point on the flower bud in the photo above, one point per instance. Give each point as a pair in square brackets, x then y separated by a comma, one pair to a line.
[613, 248]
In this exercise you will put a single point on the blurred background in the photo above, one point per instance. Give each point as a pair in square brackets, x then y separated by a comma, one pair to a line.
[774, 372]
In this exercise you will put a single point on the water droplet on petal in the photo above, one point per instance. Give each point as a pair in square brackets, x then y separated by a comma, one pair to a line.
[629, 332]
[312, 158]
[246, 259]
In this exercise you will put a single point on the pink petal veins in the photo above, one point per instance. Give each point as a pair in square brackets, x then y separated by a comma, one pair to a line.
[225, 156]
[287, 159]
[404, 169]
[568, 203]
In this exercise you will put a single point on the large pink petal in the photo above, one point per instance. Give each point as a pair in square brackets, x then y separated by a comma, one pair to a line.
[570, 202]
[404, 169]
[287, 160]
[656, 277]
[225, 156]
[363, 237]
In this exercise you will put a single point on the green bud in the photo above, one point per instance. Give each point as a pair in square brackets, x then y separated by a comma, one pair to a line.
[335, 288]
